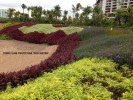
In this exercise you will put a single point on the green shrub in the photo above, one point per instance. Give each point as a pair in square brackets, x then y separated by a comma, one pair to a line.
[4, 37]
[127, 96]
[4, 20]
[87, 79]
[7, 25]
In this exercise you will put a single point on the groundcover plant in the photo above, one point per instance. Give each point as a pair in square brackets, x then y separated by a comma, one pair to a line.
[87, 79]
[97, 42]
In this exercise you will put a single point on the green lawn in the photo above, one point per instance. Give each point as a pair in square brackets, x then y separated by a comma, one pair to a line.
[87, 79]
[48, 28]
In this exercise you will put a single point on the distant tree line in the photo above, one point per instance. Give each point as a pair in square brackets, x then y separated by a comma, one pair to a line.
[81, 15]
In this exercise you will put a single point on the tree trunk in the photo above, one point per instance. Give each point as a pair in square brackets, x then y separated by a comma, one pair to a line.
[23, 15]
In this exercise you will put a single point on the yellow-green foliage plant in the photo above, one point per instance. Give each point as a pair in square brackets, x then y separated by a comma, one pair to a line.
[4, 37]
[87, 79]
[7, 25]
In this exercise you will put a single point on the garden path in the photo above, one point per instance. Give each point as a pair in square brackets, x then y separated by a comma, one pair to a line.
[17, 55]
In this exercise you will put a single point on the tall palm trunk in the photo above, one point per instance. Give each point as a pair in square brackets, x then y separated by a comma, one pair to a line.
[23, 15]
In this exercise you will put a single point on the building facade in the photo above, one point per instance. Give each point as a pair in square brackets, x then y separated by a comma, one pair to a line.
[108, 6]
[3, 13]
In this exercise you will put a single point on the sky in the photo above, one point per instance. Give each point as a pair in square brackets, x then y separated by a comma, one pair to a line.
[46, 4]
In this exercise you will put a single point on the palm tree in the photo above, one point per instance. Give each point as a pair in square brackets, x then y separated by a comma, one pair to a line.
[17, 15]
[28, 8]
[26, 17]
[77, 16]
[69, 21]
[81, 19]
[36, 12]
[44, 12]
[57, 11]
[78, 7]
[65, 12]
[120, 14]
[50, 15]
[75, 9]
[23, 7]
[130, 15]
[97, 15]
[86, 11]
[10, 13]
[65, 15]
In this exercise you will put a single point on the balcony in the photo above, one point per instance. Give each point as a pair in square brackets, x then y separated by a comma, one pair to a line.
[131, 3]
[108, 1]
[114, 3]
[123, 6]
[108, 6]
[107, 11]
[124, 0]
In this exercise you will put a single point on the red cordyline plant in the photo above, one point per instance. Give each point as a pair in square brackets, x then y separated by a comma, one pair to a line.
[34, 37]
[62, 56]
[15, 34]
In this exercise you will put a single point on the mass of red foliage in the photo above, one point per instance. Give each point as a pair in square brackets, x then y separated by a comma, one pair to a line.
[62, 56]
[60, 25]
[14, 27]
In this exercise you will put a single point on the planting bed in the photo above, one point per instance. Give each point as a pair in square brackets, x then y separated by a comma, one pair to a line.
[87, 79]
[62, 56]
[27, 54]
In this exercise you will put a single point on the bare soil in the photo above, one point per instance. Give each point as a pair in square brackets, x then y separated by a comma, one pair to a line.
[18, 55]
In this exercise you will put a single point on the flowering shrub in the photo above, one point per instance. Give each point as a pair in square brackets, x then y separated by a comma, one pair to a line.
[63, 55]
[122, 58]
[60, 25]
